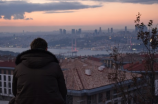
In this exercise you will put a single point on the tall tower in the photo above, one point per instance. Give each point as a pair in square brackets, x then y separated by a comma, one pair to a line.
[111, 30]
[95, 32]
[61, 31]
[100, 30]
[79, 31]
[125, 28]
[72, 46]
[125, 31]
[136, 29]
[76, 31]
[64, 31]
[75, 45]
[73, 31]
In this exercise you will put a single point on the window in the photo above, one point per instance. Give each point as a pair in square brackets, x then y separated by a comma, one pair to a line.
[108, 95]
[69, 99]
[4, 78]
[0, 84]
[9, 85]
[115, 93]
[9, 78]
[10, 91]
[94, 99]
[88, 99]
[0, 77]
[5, 91]
[4, 84]
[0, 90]
[100, 97]
[0, 71]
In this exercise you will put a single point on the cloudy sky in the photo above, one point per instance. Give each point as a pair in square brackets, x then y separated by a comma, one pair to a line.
[86, 14]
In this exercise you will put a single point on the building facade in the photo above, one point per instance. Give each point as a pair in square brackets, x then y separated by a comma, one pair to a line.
[6, 77]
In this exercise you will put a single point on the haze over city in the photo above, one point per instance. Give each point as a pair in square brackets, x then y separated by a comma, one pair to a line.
[50, 15]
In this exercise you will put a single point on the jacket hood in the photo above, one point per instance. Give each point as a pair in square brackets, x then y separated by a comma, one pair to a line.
[36, 58]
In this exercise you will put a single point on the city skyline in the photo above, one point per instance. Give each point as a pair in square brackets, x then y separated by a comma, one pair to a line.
[88, 15]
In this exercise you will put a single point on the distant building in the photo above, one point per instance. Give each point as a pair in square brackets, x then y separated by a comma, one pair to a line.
[6, 77]
[144, 28]
[111, 30]
[108, 30]
[136, 29]
[126, 31]
[125, 28]
[73, 31]
[79, 31]
[95, 32]
[60, 30]
[64, 31]
[100, 30]
[82, 35]
[76, 31]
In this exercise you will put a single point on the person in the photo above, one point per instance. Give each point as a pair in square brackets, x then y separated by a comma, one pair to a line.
[38, 78]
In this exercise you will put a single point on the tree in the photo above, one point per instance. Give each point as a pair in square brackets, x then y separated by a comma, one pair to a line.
[142, 86]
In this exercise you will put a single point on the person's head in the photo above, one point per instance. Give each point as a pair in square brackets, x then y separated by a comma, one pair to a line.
[39, 43]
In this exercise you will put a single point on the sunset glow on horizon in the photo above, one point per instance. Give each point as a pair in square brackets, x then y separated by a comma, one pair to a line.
[76, 13]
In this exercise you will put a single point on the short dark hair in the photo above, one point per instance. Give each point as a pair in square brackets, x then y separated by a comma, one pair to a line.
[39, 43]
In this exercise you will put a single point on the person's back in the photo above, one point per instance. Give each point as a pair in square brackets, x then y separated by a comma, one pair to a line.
[38, 78]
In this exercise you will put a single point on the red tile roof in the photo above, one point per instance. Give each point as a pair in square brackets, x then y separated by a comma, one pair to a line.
[130, 65]
[7, 63]
[76, 79]
[139, 66]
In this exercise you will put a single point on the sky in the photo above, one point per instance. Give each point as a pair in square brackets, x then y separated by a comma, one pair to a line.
[49, 15]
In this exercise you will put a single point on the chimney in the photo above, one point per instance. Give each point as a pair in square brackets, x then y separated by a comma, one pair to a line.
[88, 72]
[101, 68]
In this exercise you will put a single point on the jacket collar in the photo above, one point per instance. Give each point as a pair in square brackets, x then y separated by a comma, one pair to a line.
[18, 58]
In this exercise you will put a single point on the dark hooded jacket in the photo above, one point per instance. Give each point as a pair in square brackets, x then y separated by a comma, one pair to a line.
[38, 79]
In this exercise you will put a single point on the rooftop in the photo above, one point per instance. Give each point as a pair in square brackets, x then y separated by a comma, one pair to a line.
[139, 66]
[130, 58]
[76, 79]
[9, 63]
[74, 73]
